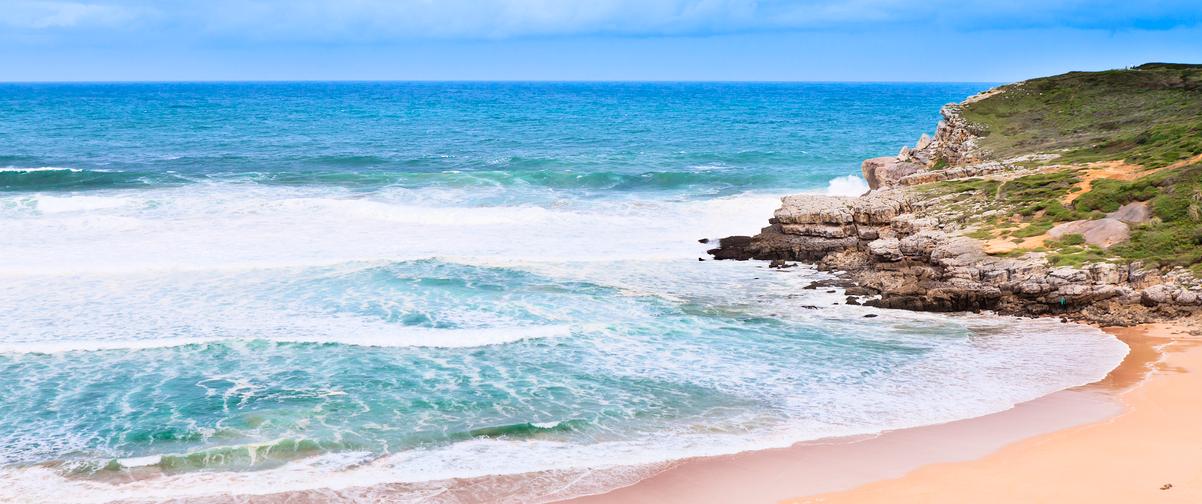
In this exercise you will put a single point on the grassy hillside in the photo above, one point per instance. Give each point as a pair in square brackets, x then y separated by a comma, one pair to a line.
[1146, 120]
[1149, 115]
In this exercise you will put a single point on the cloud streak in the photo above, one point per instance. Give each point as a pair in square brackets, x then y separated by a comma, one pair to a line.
[39, 15]
[376, 20]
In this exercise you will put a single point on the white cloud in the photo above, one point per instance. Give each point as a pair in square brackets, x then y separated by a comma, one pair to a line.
[52, 14]
[478, 18]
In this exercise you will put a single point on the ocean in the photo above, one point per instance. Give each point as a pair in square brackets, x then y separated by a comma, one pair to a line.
[270, 287]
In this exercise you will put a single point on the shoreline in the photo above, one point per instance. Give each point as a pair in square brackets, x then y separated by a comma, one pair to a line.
[836, 470]
[1149, 452]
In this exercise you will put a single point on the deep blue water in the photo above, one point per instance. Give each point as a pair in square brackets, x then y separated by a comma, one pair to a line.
[585, 137]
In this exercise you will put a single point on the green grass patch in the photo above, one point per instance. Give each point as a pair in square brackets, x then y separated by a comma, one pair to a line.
[1072, 239]
[980, 234]
[1150, 115]
[985, 187]
[1071, 250]
[1038, 187]
[1107, 195]
[1035, 228]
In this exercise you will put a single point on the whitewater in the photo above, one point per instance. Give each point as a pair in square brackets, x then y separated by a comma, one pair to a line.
[263, 288]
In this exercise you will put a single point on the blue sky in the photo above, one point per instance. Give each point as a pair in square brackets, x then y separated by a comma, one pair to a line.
[862, 40]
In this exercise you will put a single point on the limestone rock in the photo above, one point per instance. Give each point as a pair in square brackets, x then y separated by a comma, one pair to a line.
[923, 142]
[880, 207]
[956, 138]
[886, 250]
[921, 244]
[814, 209]
[907, 224]
[1135, 212]
[886, 171]
[819, 230]
[1101, 232]
[1158, 294]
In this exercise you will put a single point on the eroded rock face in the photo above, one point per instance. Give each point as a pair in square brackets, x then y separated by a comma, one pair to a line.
[955, 139]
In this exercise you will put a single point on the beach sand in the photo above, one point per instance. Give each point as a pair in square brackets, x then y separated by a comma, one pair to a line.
[1119, 440]
[1152, 452]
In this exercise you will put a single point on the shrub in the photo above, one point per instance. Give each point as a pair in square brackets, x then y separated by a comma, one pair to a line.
[1072, 239]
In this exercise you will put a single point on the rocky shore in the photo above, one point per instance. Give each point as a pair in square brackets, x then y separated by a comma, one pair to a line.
[903, 246]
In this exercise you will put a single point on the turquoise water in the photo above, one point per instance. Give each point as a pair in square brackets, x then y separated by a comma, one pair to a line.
[254, 288]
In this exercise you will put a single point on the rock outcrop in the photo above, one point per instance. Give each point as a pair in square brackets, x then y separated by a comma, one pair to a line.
[887, 171]
[956, 139]
[954, 144]
[885, 245]
[912, 247]
[1101, 232]
[1136, 212]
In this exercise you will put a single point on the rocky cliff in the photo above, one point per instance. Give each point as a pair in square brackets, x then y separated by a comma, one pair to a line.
[946, 226]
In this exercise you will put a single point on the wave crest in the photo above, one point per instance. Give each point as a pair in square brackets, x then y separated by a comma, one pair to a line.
[50, 178]
[383, 338]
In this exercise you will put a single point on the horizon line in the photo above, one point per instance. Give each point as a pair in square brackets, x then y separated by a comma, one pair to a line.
[488, 81]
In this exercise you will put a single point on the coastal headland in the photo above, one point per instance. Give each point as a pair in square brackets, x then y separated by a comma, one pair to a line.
[1078, 196]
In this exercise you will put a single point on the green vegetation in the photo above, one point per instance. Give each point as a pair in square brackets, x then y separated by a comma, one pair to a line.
[1174, 236]
[1149, 115]
[980, 234]
[1036, 198]
[980, 186]
[1062, 253]
[1159, 145]
[1072, 239]
[1035, 228]
[1040, 195]
[1108, 195]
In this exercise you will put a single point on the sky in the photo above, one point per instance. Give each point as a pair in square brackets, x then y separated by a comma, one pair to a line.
[727, 40]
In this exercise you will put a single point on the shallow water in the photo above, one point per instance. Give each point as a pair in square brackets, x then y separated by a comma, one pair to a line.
[266, 287]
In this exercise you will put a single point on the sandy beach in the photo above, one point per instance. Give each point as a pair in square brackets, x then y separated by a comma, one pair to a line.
[1122, 439]
[1152, 452]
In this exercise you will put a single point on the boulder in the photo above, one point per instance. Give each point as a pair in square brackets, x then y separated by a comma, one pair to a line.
[1158, 294]
[732, 247]
[886, 171]
[887, 249]
[1135, 212]
[1101, 232]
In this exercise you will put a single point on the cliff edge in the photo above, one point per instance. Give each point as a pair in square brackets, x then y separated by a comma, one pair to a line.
[1078, 195]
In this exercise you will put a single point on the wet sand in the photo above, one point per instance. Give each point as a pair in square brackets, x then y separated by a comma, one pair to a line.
[969, 459]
